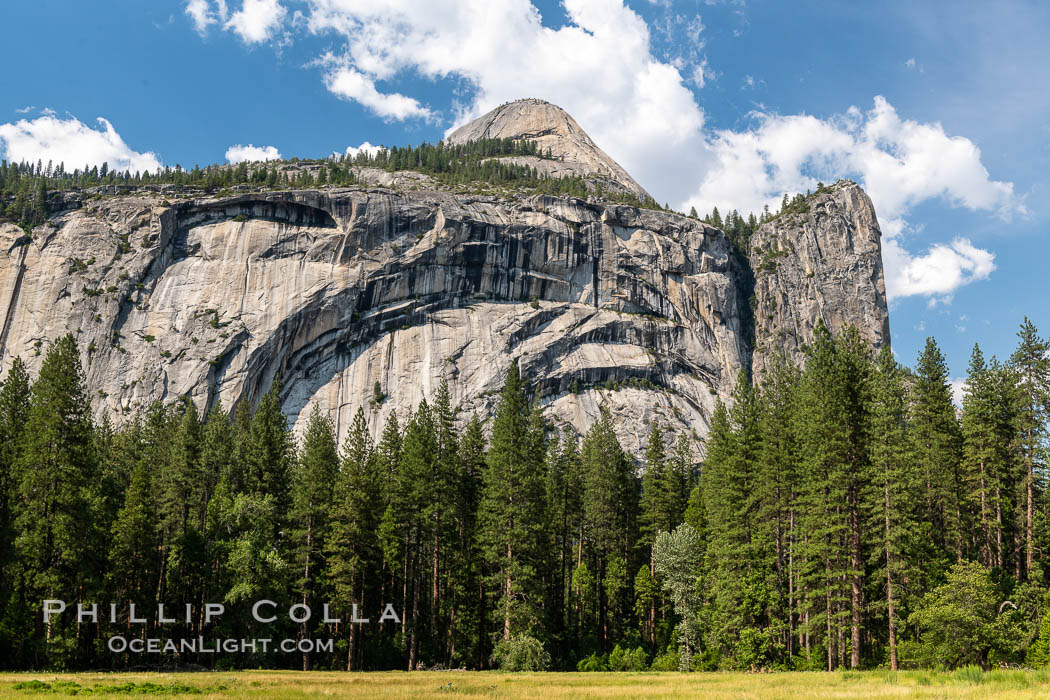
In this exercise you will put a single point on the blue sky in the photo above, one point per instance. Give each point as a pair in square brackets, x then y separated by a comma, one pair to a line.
[940, 109]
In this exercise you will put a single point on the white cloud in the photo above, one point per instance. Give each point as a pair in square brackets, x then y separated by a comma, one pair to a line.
[257, 20]
[602, 66]
[69, 141]
[958, 386]
[910, 63]
[899, 162]
[238, 153]
[351, 84]
[599, 67]
[701, 73]
[937, 274]
[204, 15]
[366, 147]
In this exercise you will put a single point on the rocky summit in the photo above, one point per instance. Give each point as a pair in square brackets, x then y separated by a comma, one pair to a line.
[399, 281]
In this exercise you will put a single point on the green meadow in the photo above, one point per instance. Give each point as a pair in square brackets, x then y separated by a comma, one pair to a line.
[964, 683]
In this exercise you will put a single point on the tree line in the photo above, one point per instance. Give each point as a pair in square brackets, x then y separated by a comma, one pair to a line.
[843, 514]
[24, 186]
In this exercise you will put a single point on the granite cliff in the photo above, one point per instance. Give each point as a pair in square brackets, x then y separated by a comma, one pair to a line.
[401, 282]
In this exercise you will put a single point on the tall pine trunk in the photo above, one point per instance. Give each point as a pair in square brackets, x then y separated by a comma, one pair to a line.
[890, 603]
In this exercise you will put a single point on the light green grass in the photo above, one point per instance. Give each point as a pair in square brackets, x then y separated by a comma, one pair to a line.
[541, 686]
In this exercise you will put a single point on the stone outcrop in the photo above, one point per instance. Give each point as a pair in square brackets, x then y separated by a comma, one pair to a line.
[551, 129]
[824, 263]
[644, 312]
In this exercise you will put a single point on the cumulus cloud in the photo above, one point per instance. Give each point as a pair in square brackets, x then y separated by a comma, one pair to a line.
[239, 153]
[70, 141]
[366, 147]
[958, 386]
[939, 272]
[899, 162]
[256, 21]
[350, 84]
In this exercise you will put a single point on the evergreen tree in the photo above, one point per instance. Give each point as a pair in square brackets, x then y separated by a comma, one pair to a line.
[412, 507]
[313, 481]
[937, 442]
[352, 546]
[466, 590]
[14, 410]
[1032, 363]
[608, 505]
[989, 412]
[268, 457]
[135, 555]
[890, 486]
[510, 517]
[778, 487]
[55, 527]
[827, 439]
[739, 550]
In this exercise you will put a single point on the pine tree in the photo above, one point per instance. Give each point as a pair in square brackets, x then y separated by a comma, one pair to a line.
[14, 409]
[778, 484]
[827, 439]
[312, 487]
[442, 516]
[608, 504]
[412, 504]
[564, 498]
[134, 556]
[988, 424]
[510, 515]
[179, 484]
[466, 589]
[256, 507]
[215, 459]
[268, 456]
[653, 517]
[890, 487]
[937, 442]
[1032, 364]
[352, 546]
[854, 368]
[56, 465]
[739, 550]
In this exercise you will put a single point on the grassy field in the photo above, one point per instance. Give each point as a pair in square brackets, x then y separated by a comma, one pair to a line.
[453, 684]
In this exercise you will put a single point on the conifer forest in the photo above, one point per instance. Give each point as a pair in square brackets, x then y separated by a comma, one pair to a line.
[843, 514]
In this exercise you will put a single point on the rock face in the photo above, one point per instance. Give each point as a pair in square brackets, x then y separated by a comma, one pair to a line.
[823, 263]
[550, 127]
[643, 312]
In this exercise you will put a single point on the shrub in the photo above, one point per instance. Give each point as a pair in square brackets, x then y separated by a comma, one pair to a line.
[667, 661]
[522, 653]
[1039, 652]
[594, 663]
[627, 660]
[960, 622]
